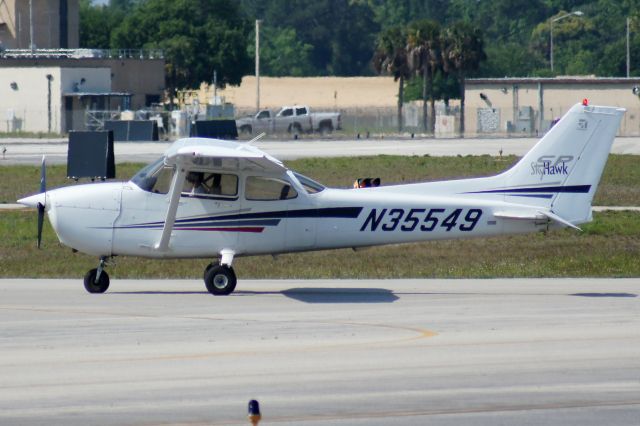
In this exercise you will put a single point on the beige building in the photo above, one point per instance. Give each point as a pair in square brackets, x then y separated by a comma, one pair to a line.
[495, 106]
[55, 24]
[527, 106]
[79, 82]
[52, 99]
[137, 72]
[80, 88]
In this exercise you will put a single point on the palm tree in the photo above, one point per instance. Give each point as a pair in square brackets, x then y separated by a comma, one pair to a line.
[462, 53]
[423, 46]
[390, 57]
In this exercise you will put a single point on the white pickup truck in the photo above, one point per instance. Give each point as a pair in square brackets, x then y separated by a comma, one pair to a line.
[293, 119]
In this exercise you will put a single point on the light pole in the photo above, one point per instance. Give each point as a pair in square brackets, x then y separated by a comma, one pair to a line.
[32, 45]
[576, 13]
[258, 22]
[628, 52]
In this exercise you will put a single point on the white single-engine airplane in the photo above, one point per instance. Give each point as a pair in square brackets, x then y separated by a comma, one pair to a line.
[217, 199]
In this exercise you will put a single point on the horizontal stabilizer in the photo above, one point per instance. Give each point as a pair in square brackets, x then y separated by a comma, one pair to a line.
[558, 219]
[520, 215]
[535, 215]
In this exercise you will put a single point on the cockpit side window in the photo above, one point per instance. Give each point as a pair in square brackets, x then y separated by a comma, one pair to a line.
[210, 184]
[259, 188]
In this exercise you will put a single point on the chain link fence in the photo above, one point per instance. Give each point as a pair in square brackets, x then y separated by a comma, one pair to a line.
[355, 122]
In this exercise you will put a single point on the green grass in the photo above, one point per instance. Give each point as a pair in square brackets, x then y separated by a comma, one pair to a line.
[620, 183]
[609, 246]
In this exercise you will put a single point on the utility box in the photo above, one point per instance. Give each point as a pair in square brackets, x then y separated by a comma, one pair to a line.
[215, 129]
[524, 124]
[133, 130]
[488, 120]
[90, 155]
[446, 126]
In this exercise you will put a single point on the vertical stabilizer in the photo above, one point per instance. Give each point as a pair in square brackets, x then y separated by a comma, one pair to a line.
[562, 171]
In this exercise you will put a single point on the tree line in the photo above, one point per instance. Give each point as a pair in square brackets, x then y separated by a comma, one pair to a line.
[343, 37]
[440, 55]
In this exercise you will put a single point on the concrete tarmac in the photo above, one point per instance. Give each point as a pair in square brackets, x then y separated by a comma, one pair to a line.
[325, 352]
[28, 152]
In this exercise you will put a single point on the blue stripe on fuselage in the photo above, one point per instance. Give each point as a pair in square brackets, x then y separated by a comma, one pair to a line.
[244, 218]
[525, 192]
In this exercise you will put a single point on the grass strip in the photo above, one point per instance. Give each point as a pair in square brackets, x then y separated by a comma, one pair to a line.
[608, 247]
[620, 183]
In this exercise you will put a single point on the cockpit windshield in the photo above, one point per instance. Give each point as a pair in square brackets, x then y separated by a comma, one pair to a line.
[156, 177]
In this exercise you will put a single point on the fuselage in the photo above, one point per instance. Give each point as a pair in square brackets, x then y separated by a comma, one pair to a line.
[123, 219]
[205, 197]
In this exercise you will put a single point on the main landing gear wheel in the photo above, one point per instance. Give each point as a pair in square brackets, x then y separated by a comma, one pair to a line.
[220, 280]
[96, 286]
[208, 268]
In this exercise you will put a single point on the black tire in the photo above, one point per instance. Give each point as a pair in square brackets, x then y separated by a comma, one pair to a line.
[246, 130]
[91, 286]
[326, 129]
[295, 129]
[220, 280]
[208, 268]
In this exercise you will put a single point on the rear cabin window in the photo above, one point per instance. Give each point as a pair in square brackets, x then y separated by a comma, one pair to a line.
[210, 184]
[301, 111]
[260, 188]
[310, 185]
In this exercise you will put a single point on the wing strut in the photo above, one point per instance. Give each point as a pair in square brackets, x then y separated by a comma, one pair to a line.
[176, 189]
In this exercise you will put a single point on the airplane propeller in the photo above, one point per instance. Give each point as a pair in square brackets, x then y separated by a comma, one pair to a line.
[41, 206]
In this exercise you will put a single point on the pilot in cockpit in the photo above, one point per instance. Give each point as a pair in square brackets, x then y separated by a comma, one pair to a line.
[196, 180]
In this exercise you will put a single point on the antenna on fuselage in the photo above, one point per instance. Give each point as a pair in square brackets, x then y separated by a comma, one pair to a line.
[257, 138]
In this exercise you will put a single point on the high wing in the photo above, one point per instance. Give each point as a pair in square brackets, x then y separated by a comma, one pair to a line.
[221, 155]
[201, 153]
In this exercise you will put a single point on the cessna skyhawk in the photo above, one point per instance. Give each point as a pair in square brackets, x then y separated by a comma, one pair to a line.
[218, 200]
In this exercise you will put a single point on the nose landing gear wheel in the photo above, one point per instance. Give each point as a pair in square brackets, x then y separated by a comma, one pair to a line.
[220, 280]
[92, 286]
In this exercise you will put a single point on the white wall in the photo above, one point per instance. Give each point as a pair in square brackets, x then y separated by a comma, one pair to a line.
[96, 79]
[25, 107]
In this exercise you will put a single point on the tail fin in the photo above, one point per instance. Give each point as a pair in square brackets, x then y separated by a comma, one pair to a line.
[562, 171]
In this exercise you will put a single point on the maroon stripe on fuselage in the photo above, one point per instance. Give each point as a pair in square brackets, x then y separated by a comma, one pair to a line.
[246, 229]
